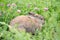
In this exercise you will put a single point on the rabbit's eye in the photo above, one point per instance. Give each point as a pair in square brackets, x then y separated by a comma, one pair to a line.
[41, 18]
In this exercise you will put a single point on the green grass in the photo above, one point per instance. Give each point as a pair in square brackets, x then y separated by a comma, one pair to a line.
[51, 28]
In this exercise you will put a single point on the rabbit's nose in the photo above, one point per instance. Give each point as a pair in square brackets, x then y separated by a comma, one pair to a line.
[43, 22]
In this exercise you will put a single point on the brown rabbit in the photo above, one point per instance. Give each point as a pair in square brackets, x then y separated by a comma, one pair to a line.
[29, 22]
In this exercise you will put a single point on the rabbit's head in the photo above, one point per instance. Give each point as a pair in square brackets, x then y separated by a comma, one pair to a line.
[38, 17]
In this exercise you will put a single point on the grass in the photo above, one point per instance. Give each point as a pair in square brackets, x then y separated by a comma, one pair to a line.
[49, 9]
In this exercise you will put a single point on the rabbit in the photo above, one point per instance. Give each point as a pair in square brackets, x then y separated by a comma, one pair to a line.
[29, 22]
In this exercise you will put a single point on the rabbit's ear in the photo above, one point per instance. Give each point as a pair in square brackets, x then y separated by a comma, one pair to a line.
[31, 13]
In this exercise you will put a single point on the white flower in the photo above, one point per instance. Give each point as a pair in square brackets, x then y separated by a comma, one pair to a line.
[8, 5]
[45, 9]
[28, 5]
[36, 8]
[19, 11]
[13, 4]
[1, 4]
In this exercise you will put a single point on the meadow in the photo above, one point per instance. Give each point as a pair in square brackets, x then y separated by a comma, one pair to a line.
[49, 9]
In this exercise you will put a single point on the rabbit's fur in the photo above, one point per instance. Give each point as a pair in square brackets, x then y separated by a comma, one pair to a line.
[29, 22]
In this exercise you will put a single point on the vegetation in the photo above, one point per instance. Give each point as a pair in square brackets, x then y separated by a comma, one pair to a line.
[49, 9]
